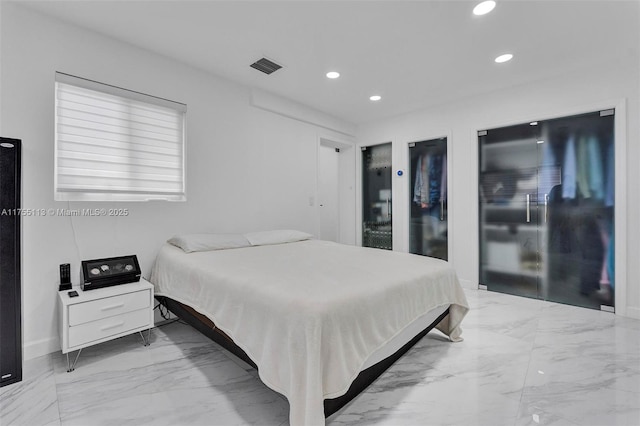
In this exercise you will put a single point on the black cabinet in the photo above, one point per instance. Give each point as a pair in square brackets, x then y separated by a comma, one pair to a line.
[10, 292]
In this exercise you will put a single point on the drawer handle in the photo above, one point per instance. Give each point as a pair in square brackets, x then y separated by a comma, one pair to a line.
[106, 308]
[107, 327]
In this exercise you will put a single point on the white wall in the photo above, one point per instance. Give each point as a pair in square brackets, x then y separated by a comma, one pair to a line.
[597, 87]
[247, 169]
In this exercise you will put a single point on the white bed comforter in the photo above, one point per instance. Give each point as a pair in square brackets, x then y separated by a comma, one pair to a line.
[309, 313]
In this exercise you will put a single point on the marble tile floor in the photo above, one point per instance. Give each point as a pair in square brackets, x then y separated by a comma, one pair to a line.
[523, 362]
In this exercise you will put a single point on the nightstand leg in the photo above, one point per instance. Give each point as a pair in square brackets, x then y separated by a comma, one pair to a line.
[71, 367]
[148, 339]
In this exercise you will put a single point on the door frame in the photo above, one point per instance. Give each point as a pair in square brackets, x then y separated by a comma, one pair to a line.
[344, 189]
[407, 192]
[620, 148]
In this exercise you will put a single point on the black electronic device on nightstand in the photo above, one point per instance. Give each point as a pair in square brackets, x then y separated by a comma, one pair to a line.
[98, 273]
[65, 277]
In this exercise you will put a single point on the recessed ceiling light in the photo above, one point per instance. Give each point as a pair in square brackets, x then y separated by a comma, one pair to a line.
[540, 141]
[504, 58]
[533, 123]
[375, 98]
[333, 74]
[484, 7]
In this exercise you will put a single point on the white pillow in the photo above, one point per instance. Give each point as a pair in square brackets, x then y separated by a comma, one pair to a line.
[276, 237]
[207, 242]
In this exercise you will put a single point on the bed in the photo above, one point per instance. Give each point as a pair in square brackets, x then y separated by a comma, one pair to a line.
[319, 320]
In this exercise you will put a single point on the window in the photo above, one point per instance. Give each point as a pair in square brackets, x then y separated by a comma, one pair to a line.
[113, 144]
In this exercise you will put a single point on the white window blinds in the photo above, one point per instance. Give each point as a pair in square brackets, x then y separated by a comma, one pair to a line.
[113, 144]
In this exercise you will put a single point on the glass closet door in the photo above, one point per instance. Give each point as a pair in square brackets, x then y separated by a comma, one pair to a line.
[509, 240]
[579, 221]
[547, 210]
[428, 200]
[376, 197]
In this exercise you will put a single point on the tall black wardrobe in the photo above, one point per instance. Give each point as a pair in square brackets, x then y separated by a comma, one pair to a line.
[10, 295]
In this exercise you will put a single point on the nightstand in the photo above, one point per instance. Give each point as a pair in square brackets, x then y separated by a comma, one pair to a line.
[104, 314]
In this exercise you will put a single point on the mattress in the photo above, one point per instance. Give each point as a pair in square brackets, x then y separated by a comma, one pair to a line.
[312, 314]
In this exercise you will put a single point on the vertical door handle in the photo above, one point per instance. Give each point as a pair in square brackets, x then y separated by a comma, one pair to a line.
[546, 207]
[441, 209]
[388, 209]
[528, 208]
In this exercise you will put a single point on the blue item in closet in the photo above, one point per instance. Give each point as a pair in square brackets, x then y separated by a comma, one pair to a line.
[435, 174]
[609, 199]
[611, 260]
[569, 172]
[596, 175]
[583, 168]
[548, 174]
[443, 180]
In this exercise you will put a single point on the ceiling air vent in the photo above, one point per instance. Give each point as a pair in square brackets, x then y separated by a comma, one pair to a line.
[266, 66]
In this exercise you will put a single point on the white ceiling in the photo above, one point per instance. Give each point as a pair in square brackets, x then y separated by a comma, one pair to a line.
[415, 54]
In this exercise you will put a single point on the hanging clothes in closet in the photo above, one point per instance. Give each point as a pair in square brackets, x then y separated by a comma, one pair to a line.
[588, 186]
[428, 196]
[443, 180]
[421, 186]
[428, 224]
[595, 166]
[569, 172]
[430, 186]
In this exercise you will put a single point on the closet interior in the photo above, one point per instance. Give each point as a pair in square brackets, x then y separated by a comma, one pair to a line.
[428, 212]
[377, 230]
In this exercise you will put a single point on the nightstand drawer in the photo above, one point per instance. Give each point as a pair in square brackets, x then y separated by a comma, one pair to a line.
[96, 330]
[110, 306]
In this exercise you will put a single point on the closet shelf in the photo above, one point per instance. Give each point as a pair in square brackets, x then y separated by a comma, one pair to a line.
[506, 227]
[521, 273]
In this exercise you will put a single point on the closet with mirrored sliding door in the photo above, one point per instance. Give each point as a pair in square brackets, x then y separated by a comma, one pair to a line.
[546, 198]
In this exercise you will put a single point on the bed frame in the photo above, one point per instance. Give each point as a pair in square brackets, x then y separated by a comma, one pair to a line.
[362, 381]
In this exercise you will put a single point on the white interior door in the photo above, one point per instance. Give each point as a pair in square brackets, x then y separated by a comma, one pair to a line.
[328, 194]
